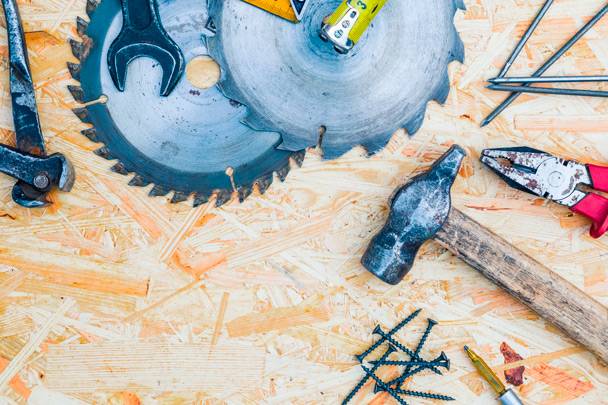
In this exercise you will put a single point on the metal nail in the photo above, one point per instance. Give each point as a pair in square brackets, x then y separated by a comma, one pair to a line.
[522, 42]
[549, 79]
[548, 64]
[548, 90]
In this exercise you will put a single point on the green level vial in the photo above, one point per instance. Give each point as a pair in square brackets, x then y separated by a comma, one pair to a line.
[349, 22]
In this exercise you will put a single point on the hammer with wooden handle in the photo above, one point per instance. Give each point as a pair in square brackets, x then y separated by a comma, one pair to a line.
[421, 210]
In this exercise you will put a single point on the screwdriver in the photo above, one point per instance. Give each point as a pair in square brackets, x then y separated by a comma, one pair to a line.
[506, 396]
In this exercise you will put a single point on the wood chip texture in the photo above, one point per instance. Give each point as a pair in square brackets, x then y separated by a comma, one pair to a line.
[265, 301]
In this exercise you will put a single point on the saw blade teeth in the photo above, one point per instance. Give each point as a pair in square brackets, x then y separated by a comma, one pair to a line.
[159, 191]
[77, 48]
[200, 199]
[283, 172]
[264, 183]
[81, 50]
[443, 91]
[104, 152]
[138, 181]
[91, 6]
[292, 142]
[120, 169]
[298, 157]
[458, 51]
[74, 69]
[90, 35]
[81, 26]
[244, 192]
[413, 125]
[77, 93]
[83, 114]
[179, 196]
[90, 133]
[222, 197]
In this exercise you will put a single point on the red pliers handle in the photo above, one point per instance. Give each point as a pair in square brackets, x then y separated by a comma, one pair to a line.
[595, 206]
[545, 175]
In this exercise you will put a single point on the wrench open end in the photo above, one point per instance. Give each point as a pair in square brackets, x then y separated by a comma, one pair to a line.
[143, 35]
[170, 60]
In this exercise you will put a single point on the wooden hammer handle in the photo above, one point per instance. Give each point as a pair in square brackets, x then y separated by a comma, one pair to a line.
[551, 296]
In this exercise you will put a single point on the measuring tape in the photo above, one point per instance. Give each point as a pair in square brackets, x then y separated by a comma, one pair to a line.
[345, 26]
[281, 8]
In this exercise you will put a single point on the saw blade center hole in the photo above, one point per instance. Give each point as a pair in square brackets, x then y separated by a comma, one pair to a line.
[203, 72]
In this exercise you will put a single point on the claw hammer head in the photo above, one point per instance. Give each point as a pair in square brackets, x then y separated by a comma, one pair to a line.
[418, 211]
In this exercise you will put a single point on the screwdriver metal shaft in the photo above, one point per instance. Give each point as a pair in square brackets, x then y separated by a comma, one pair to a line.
[506, 396]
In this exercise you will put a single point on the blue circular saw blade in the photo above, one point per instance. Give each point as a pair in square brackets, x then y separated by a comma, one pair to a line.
[191, 142]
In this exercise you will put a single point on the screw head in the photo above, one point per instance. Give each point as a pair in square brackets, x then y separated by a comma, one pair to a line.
[41, 181]
[432, 322]
[442, 361]
[377, 330]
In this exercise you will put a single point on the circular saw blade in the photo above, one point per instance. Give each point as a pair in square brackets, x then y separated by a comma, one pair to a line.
[294, 83]
[191, 142]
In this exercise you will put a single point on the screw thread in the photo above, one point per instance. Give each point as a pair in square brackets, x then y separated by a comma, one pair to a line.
[396, 329]
[426, 364]
[379, 382]
[369, 373]
[423, 339]
[413, 355]
[428, 395]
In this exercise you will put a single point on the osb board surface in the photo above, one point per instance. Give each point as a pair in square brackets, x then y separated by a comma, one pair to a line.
[107, 266]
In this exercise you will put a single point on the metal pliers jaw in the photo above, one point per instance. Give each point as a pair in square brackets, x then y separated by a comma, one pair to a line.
[36, 172]
[545, 175]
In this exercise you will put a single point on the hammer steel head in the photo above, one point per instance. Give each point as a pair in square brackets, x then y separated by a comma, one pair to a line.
[418, 211]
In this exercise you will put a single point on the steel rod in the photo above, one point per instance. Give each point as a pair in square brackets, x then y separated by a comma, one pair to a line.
[549, 79]
[548, 64]
[525, 38]
[548, 90]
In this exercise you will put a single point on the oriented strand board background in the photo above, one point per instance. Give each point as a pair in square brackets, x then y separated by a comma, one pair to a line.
[110, 296]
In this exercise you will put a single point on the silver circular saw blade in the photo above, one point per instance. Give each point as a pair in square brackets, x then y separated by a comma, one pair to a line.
[192, 142]
[294, 83]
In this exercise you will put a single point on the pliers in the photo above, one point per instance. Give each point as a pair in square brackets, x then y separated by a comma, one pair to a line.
[540, 173]
[36, 172]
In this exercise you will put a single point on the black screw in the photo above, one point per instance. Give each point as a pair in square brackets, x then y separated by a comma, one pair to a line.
[385, 387]
[428, 395]
[358, 387]
[410, 364]
[396, 329]
[430, 324]
[392, 341]
[441, 361]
